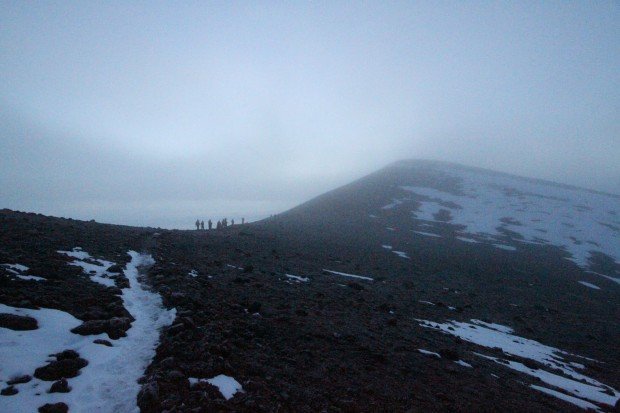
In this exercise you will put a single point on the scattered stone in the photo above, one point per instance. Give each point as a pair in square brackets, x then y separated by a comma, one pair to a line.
[254, 307]
[114, 327]
[54, 408]
[148, 398]
[103, 342]
[116, 269]
[356, 286]
[9, 391]
[19, 380]
[60, 386]
[67, 355]
[59, 369]
[18, 322]
[449, 354]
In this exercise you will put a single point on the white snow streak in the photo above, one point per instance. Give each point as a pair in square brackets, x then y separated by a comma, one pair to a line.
[109, 382]
[344, 274]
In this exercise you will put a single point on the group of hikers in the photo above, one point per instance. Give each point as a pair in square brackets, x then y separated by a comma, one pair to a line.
[219, 225]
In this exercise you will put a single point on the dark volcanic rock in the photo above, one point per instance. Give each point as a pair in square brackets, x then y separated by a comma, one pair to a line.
[148, 398]
[449, 354]
[9, 391]
[19, 380]
[54, 408]
[60, 386]
[18, 322]
[103, 342]
[114, 327]
[67, 355]
[116, 268]
[59, 369]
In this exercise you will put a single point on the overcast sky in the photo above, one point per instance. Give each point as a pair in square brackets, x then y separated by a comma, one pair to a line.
[155, 113]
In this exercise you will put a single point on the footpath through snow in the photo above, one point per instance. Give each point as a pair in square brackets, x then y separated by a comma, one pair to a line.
[109, 383]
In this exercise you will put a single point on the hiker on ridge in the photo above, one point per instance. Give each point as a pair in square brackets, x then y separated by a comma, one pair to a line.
[197, 224]
[202, 225]
[210, 224]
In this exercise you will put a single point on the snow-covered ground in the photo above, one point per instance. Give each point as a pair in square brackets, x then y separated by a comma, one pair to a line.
[109, 382]
[492, 335]
[495, 206]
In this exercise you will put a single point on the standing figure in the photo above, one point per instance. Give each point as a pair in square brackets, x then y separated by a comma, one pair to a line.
[197, 224]
[219, 225]
[210, 224]
[202, 225]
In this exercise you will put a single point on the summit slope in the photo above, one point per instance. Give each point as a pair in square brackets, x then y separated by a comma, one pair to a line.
[425, 286]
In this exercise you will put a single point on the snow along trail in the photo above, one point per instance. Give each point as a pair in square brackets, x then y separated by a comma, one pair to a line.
[110, 381]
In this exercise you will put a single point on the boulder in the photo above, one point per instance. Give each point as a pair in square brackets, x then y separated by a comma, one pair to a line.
[59, 369]
[9, 391]
[148, 398]
[60, 386]
[18, 322]
[54, 408]
[114, 327]
[19, 380]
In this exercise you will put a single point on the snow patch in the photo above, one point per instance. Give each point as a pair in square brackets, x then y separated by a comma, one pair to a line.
[505, 247]
[587, 284]
[428, 234]
[16, 267]
[573, 400]
[429, 353]
[401, 254]
[96, 269]
[344, 274]
[493, 335]
[470, 240]
[576, 220]
[297, 278]
[593, 391]
[227, 385]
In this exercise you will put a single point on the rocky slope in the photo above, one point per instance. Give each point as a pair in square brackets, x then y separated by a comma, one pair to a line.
[422, 287]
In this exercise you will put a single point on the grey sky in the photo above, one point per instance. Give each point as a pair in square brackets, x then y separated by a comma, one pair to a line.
[155, 113]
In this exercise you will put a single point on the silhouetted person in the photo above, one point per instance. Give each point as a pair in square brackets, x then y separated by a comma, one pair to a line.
[242, 221]
[202, 225]
[224, 223]
[210, 224]
[197, 224]
[219, 225]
